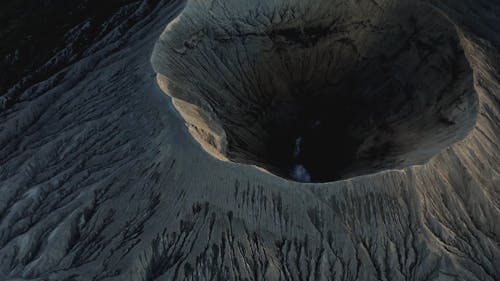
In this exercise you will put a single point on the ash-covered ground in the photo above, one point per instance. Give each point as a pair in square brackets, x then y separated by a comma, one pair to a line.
[101, 178]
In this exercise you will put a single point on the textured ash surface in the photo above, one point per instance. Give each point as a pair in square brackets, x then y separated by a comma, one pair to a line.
[100, 180]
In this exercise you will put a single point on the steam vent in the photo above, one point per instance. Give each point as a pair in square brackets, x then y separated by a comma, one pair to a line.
[318, 91]
[250, 140]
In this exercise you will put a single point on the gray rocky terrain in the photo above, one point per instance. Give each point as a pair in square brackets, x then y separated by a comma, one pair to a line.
[104, 176]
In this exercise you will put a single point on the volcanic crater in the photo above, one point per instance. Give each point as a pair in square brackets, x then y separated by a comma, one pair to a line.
[322, 94]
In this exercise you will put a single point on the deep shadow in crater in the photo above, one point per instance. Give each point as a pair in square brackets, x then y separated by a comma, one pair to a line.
[323, 141]
[370, 121]
[381, 114]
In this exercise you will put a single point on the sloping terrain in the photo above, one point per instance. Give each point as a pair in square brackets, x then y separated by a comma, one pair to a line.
[41, 37]
[100, 179]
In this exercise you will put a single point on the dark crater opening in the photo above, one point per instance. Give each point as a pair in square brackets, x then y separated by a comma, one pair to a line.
[329, 98]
